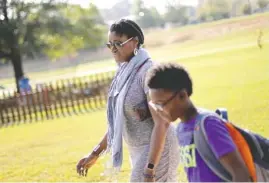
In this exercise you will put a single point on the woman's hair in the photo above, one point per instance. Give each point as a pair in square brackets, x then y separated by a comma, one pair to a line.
[128, 28]
[169, 76]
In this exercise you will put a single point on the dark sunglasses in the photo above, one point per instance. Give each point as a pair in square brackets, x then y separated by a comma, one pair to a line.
[118, 44]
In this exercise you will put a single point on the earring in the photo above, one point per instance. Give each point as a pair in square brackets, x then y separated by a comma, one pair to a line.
[135, 51]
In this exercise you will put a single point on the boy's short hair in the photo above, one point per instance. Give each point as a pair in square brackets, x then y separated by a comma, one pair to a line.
[169, 76]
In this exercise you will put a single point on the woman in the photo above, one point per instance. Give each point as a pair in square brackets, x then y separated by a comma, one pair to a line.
[151, 141]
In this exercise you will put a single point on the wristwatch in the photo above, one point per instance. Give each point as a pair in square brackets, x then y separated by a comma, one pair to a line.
[150, 166]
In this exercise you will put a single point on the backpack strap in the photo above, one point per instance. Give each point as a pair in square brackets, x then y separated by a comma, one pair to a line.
[223, 113]
[244, 150]
[250, 137]
[254, 141]
[203, 148]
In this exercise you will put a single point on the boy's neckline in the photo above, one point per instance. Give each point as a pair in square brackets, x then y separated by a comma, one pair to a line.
[190, 120]
[194, 113]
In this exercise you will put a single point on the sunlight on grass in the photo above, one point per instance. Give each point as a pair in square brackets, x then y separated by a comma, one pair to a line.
[48, 151]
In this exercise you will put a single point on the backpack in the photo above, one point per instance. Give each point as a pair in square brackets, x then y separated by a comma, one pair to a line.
[253, 148]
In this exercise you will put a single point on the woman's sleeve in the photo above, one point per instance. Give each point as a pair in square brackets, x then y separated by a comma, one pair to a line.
[143, 73]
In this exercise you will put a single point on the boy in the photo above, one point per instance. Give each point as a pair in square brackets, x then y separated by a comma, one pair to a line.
[170, 91]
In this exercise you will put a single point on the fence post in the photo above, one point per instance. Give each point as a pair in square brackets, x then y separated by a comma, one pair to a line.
[16, 96]
[54, 99]
[45, 100]
[28, 104]
[23, 103]
[90, 96]
[59, 97]
[99, 86]
[76, 95]
[66, 98]
[33, 102]
[95, 86]
[82, 91]
[105, 89]
[39, 100]
[49, 102]
[5, 108]
[70, 85]
[12, 105]
[87, 92]
[2, 112]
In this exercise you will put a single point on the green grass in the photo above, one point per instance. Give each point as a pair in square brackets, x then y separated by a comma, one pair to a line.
[48, 151]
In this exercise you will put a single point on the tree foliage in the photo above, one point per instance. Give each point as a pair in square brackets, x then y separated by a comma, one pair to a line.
[215, 10]
[146, 17]
[47, 27]
[246, 9]
[262, 3]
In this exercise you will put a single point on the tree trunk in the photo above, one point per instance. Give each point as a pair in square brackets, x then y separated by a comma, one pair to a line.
[13, 44]
[250, 6]
[17, 65]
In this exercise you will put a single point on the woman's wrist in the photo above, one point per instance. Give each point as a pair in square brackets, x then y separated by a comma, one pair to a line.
[148, 176]
[98, 151]
[149, 171]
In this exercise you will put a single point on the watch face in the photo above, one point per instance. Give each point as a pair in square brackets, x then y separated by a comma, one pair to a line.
[150, 166]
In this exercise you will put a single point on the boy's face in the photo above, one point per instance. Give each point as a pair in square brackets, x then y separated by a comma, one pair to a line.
[169, 105]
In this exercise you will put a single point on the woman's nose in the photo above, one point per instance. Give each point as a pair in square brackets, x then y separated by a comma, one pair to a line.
[113, 48]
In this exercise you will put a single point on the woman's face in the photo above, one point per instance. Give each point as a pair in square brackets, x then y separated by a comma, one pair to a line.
[121, 47]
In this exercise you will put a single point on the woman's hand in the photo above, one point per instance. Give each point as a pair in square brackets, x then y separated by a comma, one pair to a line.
[149, 175]
[85, 163]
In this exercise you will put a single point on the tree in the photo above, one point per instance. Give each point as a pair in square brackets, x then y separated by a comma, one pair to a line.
[81, 28]
[121, 9]
[176, 13]
[219, 9]
[146, 17]
[262, 3]
[246, 9]
[237, 7]
[215, 10]
[158, 19]
[33, 28]
[171, 14]
[250, 7]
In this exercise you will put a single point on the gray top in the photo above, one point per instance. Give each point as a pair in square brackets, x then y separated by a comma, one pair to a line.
[137, 130]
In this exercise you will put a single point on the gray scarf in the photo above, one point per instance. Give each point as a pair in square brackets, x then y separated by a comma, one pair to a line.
[115, 107]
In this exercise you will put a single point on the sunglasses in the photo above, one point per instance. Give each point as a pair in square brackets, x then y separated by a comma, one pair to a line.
[160, 107]
[118, 44]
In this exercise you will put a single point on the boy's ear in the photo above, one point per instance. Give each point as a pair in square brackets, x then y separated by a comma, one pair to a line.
[183, 94]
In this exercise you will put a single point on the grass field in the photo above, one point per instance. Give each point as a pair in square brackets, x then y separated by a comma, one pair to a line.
[48, 151]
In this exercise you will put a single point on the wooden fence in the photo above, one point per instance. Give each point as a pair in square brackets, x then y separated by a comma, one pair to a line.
[55, 99]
